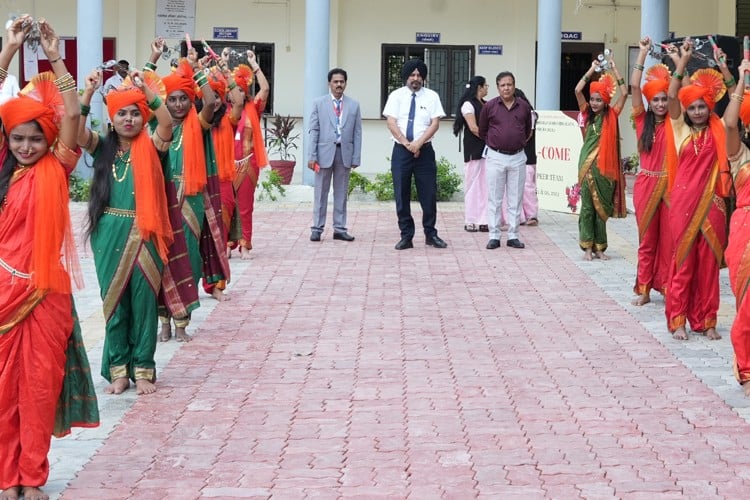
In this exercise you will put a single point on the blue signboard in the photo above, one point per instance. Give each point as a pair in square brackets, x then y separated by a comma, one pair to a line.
[428, 37]
[572, 35]
[225, 33]
[496, 50]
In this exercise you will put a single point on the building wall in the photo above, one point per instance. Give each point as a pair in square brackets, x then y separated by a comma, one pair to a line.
[359, 27]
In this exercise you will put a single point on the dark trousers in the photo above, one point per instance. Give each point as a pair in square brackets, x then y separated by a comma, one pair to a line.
[424, 170]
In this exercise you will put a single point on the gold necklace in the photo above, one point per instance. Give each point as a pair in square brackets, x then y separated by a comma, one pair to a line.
[596, 132]
[696, 133]
[119, 156]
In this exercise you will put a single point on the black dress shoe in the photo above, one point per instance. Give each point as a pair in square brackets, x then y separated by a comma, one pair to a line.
[436, 242]
[484, 228]
[404, 244]
[343, 236]
[493, 244]
[515, 243]
[315, 236]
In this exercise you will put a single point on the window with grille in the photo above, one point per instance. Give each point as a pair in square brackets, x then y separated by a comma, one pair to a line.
[449, 68]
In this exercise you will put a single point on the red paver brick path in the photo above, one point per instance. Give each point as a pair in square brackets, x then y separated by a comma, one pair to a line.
[354, 370]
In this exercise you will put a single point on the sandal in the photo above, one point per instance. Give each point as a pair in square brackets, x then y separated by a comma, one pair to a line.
[472, 228]
[532, 222]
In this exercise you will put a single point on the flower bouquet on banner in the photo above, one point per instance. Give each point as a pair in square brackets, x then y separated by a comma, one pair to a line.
[282, 142]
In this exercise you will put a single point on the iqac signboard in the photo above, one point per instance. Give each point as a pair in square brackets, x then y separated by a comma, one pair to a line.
[572, 35]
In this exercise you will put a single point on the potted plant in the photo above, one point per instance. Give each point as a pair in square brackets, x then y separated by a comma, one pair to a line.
[282, 142]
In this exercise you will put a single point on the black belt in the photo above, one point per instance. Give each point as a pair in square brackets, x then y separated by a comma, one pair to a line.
[505, 151]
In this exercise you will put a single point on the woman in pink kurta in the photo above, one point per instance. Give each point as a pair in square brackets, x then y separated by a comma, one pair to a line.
[650, 191]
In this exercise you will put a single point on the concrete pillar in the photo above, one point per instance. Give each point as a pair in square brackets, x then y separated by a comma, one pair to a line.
[317, 49]
[89, 47]
[549, 47]
[654, 23]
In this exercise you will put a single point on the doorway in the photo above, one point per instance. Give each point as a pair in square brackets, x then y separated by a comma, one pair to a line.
[576, 59]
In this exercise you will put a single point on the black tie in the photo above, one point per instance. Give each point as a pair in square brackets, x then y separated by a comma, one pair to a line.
[410, 125]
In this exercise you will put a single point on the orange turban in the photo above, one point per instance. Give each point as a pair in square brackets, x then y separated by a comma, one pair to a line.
[605, 87]
[654, 87]
[122, 97]
[692, 93]
[25, 109]
[181, 79]
[243, 77]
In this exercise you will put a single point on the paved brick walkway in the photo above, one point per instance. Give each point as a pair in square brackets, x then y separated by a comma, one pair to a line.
[351, 370]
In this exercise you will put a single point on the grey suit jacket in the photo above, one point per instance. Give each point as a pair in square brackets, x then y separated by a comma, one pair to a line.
[322, 130]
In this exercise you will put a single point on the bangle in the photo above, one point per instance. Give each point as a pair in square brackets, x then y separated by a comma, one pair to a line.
[155, 103]
[677, 75]
[3, 74]
[637, 66]
[199, 77]
[54, 60]
[730, 82]
[149, 66]
[65, 83]
[621, 81]
[255, 71]
[585, 78]
[737, 97]
[232, 86]
[85, 109]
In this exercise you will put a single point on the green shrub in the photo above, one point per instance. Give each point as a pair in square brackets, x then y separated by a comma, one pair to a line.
[78, 188]
[358, 181]
[448, 183]
[271, 186]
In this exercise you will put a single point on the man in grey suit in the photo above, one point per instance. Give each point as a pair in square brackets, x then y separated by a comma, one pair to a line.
[335, 148]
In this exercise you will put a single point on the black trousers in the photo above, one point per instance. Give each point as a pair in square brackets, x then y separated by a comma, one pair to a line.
[424, 170]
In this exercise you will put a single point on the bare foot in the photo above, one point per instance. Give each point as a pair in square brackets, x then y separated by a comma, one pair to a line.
[587, 255]
[118, 386]
[11, 493]
[166, 332]
[229, 253]
[712, 334]
[219, 295]
[680, 334]
[600, 255]
[746, 388]
[180, 335]
[143, 386]
[641, 300]
[244, 253]
[33, 493]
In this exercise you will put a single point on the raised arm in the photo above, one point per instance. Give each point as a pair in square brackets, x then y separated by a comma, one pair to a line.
[732, 113]
[673, 103]
[86, 138]
[155, 104]
[265, 88]
[585, 79]
[721, 62]
[209, 98]
[636, 98]
[14, 37]
[623, 95]
[50, 43]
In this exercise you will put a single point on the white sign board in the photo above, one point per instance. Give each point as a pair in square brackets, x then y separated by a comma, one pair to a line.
[174, 18]
[558, 146]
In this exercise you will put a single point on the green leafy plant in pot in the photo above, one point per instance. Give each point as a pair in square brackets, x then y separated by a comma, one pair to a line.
[282, 142]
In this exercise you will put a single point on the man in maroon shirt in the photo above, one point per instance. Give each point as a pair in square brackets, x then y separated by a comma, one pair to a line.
[505, 126]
